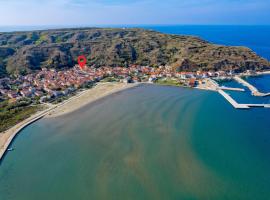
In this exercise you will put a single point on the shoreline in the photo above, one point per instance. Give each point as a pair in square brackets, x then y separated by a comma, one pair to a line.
[7, 137]
[76, 102]
[259, 73]
[68, 106]
[88, 96]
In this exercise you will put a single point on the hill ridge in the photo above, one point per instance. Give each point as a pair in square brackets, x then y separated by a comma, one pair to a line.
[25, 51]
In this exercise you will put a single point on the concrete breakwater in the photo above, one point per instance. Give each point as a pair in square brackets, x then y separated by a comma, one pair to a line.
[232, 101]
[254, 90]
[214, 86]
[238, 105]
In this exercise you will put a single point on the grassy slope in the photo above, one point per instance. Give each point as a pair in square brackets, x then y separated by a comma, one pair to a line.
[11, 114]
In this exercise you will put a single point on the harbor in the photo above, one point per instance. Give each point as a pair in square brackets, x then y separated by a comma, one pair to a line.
[232, 101]
[211, 84]
[240, 106]
[254, 90]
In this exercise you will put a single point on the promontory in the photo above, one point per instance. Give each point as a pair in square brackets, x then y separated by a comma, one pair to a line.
[24, 52]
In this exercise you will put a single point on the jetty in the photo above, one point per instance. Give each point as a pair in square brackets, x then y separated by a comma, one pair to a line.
[232, 101]
[263, 73]
[241, 105]
[254, 90]
[259, 105]
[232, 89]
[215, 86]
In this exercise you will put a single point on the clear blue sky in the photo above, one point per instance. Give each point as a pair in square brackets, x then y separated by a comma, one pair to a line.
[104, 12]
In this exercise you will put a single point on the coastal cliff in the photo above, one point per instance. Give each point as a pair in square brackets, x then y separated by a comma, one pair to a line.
[23, 52]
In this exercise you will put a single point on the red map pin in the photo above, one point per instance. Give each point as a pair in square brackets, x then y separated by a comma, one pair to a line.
[82, 61]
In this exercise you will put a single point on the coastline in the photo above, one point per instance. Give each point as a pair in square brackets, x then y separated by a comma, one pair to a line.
[74, 103]
[99, 91]
[7, 136]
[264, 73]
[259, 73]
[88, 96]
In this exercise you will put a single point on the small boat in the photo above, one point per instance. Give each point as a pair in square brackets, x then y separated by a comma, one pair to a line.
[10, 149]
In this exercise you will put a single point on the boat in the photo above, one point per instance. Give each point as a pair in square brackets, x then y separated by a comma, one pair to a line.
[10, 149]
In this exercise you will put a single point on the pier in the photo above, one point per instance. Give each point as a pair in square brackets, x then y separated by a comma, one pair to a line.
[238, 105]
[232, 89]
[214, 86]
[232, 101]
[259, 105]
[254, 90]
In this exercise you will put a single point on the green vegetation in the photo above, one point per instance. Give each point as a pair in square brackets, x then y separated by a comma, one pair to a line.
[13, 113]
[168, 81]
[43, 38]
[58, 39]
[110, 79]
[60, 99]
[120, 47]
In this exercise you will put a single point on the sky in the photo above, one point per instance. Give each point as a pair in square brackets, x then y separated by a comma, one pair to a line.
[134, 12]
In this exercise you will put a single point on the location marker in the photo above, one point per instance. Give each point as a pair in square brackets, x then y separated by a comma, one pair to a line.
[82, 61]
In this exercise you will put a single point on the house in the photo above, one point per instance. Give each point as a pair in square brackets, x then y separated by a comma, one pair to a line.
[57, 93]
[32, 89]
[38, 93]
[12, 94]
[25, 84]
[65, 92]
[152, 79]
[26, 93]
[127, 80]
[192, 82]
[43, 99]
[135, 79]
[3, 91]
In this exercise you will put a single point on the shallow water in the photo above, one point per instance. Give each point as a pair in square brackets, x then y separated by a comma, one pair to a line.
[150, 142]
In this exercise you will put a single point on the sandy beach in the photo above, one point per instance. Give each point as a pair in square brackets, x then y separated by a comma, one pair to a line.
[70, 105]
[88, 96]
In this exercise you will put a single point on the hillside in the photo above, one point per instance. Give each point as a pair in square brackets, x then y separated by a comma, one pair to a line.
[26, 51]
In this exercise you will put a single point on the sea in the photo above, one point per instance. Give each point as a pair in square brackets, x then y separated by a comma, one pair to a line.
[151, 142]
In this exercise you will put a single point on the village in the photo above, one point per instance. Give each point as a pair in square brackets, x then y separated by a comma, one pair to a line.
[48, 84]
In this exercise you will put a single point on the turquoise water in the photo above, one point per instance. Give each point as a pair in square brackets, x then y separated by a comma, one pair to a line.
[150, 142]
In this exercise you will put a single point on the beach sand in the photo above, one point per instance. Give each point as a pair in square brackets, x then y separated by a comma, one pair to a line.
[88, 96]
[70, 105]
